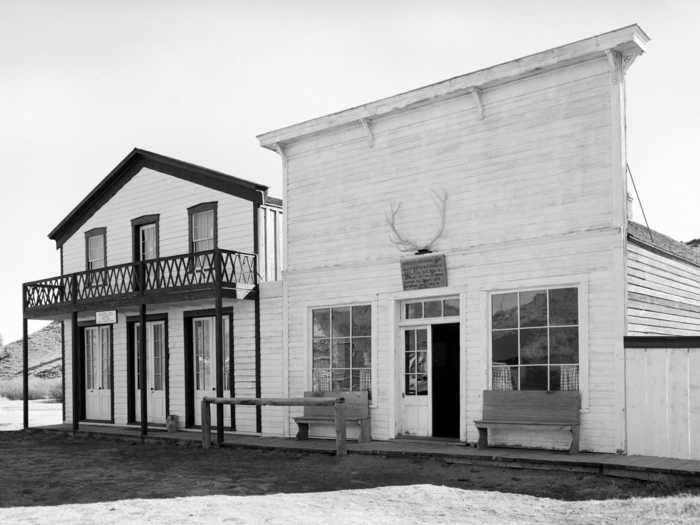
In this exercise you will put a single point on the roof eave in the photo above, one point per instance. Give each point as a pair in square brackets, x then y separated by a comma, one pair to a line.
[630, 41]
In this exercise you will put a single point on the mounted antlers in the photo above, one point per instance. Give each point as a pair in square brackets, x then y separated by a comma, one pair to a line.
[407, 245]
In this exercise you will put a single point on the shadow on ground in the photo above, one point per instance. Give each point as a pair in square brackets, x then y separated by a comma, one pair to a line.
[51, 469]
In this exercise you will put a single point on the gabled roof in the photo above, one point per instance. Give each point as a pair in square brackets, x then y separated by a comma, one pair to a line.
[130, 166]
[662, 244]
[629, 41]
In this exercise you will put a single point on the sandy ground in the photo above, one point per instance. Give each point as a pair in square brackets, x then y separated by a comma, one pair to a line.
[51, 478]
[417, 504]
[41, 412]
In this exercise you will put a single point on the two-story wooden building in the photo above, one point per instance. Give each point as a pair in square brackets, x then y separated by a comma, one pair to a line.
[471, 236]
[185, 252]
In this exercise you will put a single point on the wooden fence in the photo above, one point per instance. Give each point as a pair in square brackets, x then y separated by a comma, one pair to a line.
[337, 402]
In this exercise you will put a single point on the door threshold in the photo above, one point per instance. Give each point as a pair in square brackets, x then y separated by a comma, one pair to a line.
[430, 439]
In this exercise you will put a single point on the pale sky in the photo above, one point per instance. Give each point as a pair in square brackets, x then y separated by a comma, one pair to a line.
[83, 82]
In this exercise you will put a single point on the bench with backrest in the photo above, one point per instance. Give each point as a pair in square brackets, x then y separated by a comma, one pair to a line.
[356, 411]
[559, 409]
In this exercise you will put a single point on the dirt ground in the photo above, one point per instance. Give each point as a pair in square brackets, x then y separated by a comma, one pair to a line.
[51, 469]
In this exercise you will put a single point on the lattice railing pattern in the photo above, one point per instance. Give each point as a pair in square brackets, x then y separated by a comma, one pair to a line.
[188, 271]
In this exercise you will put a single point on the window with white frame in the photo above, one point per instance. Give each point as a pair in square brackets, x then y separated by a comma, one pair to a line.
[535, 340]
[342, 348]
[448, 307]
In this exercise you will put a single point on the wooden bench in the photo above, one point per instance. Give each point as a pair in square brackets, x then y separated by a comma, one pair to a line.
[559, 409]
[356, 411]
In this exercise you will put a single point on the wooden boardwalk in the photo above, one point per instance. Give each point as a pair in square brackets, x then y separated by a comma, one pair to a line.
[641, 467]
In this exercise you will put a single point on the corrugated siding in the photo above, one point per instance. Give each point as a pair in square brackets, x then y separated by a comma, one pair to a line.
[529, 198]
[150, 192]
[663, 294]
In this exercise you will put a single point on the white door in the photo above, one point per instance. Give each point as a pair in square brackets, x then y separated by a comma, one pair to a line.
[415, 397]
[98, 373]
[205, 365]
[155, 371]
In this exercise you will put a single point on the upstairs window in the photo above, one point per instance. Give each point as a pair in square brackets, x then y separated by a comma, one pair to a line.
[535, 340]
[202, 220]
[95, 254]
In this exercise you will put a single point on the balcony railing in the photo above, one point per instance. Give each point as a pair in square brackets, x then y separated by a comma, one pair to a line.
[188, 272]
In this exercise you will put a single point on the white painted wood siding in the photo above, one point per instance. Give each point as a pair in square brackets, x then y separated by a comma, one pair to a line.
[533, 196]
[150, 192]
[271, 362]
[663, 294]
[663, 402]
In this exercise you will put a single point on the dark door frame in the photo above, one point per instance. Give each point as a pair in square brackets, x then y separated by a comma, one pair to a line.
[131, 367]
[189, 362]
[82, 325]
[452, 428]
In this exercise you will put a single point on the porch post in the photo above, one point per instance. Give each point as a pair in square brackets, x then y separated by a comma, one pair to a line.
[142, 371]
[25, 374]
[219, 350]
[256, 268]
[75, 366]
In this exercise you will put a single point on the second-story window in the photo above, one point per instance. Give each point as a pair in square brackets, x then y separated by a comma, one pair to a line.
[202, 231]
[95, 252]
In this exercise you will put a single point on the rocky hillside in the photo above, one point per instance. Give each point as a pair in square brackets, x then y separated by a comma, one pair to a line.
[44, 354]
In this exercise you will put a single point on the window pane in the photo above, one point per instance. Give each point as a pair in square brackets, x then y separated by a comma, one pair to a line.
[504, 377]
[340, 319]
[533, 308]
[410, 336]
[321, 353]
[361, 320]
[321, 323]
[321, 380]
[504, 309]
[422, 362]
[422, 385]
[432, 309]
[504, 347]
[410, 384]
[451, 306]
[421, 339]
[410, 363]
[341, 379]
[533, 378]
[564, 377]
[563, 345]
[361, 379]
[361, 352]
[414, 310]
[533, 346]
[341, 353]
[563, 306]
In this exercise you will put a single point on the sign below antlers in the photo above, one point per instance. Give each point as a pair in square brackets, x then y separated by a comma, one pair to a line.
[405, 244]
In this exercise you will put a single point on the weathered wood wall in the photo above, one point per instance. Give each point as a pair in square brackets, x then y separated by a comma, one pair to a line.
[663, 293]
[663, 401]
[534, 200]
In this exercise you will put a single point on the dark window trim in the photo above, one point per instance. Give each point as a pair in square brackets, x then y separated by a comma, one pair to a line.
[662, 341]
[187, 317]
[94, 232]
[82, 325]
[197, 208]
[153, 218]
[131, 365]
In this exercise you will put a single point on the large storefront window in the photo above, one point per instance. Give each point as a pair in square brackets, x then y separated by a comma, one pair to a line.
[342, 348]
[535, 340]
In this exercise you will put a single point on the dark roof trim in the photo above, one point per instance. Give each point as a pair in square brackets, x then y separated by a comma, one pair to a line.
[130, 166]
[662, 244]
[272, 201]
[662, 341]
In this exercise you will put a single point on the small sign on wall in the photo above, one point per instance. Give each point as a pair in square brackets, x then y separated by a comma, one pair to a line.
[106, 317]
[424, 271]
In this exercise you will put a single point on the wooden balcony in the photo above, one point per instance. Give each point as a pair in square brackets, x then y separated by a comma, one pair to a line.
[189, 276]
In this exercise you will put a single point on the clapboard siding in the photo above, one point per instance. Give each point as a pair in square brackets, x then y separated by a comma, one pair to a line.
[531, 201]
[244, 358]
[271, 366]
[152, 192]
[663, 294]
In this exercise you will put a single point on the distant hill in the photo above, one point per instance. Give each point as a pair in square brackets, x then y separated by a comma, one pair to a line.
[44, 354]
